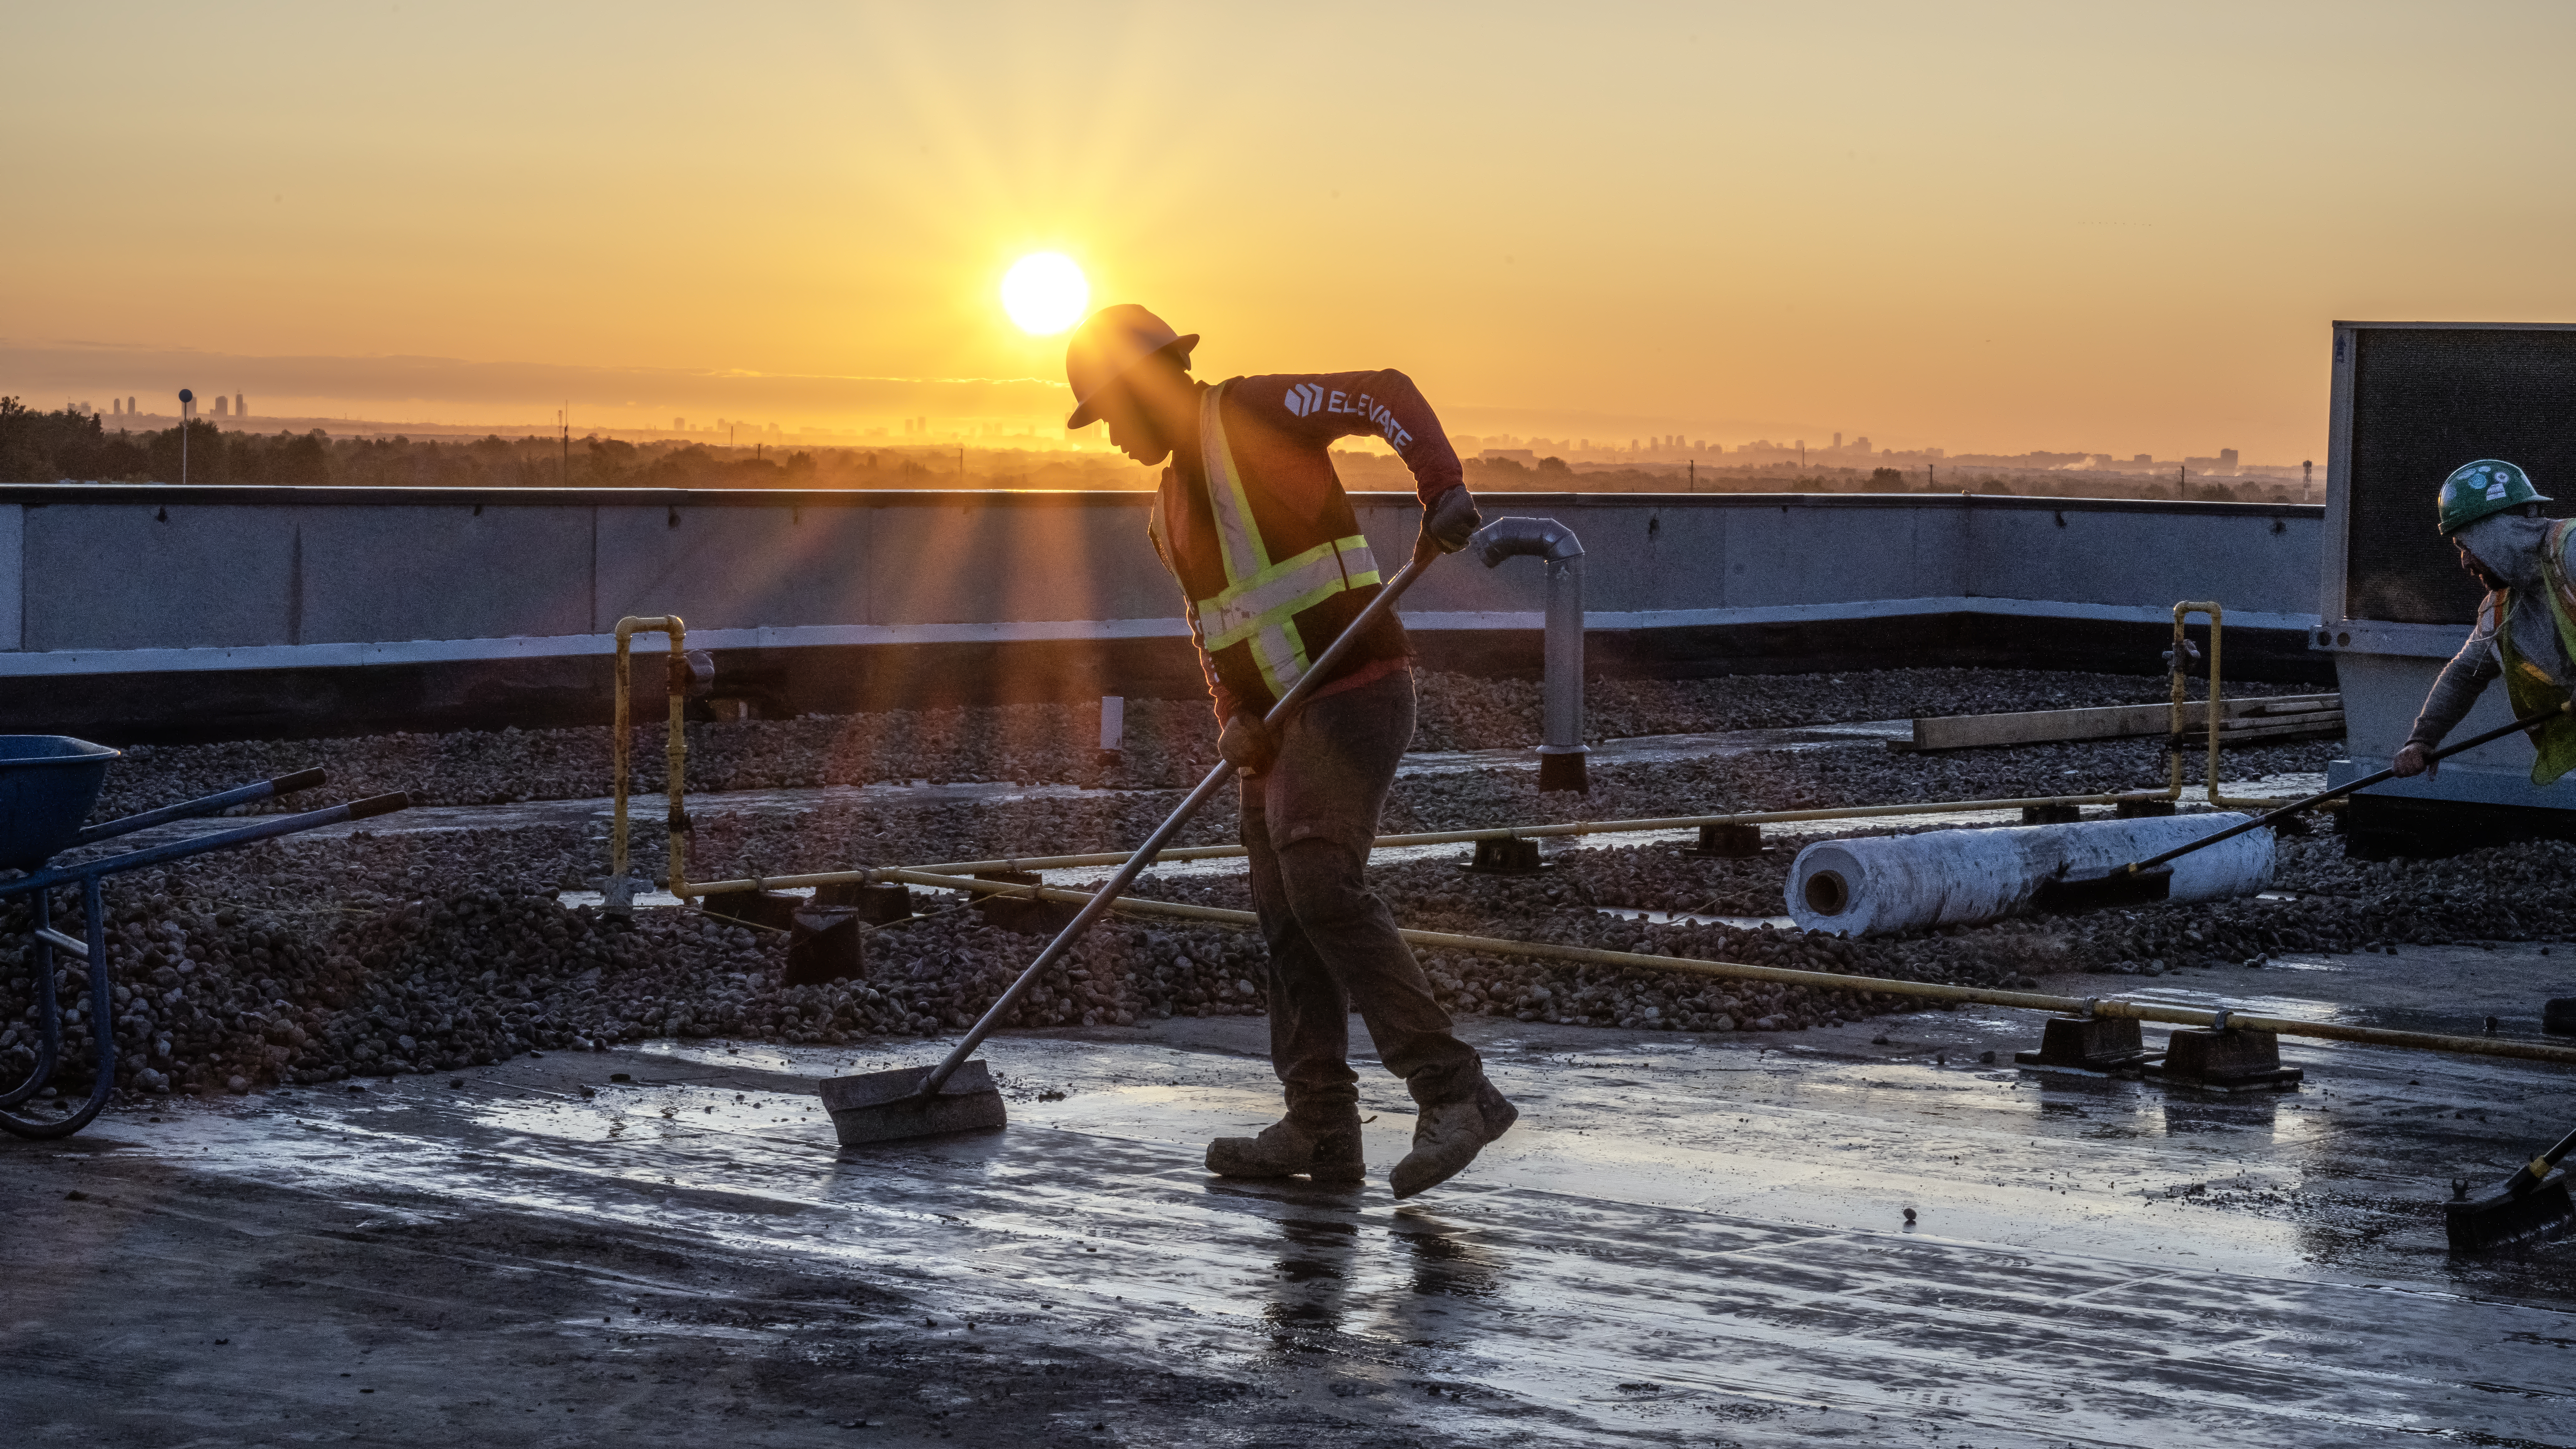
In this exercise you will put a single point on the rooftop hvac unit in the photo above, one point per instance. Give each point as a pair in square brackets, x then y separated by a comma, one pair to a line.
[2411, 402]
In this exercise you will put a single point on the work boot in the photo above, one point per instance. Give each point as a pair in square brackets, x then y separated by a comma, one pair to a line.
[1448, 1136]
[1288, 1147]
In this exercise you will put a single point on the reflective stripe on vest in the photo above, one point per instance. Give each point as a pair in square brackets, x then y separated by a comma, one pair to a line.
[1262, 599]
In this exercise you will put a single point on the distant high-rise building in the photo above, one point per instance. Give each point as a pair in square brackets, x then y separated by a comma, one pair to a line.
[241, 406]
[129, 407]
[679, 425]
[116, 406]
[223, 406]
[2144, 458]
[1838, 442]
[1861, 443]
[2227, 458]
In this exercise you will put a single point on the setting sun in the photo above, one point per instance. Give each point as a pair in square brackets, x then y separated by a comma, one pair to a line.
[1045, 293]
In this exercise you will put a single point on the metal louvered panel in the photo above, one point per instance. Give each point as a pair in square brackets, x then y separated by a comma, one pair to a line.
[2424, 400]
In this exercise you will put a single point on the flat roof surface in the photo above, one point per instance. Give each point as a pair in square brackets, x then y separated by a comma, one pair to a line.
[1685, 1241]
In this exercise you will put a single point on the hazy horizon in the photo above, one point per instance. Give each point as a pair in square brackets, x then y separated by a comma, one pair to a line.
[448, 392]
[1989, 228]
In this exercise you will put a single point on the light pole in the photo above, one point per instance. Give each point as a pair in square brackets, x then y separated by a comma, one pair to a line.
[187, 415]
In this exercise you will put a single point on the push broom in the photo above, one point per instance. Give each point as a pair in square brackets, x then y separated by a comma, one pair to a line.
[2530, 1202]
[958, 1094]
[2147, 881]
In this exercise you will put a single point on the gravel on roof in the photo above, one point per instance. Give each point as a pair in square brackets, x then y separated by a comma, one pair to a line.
[312, 959]
[1169, 743]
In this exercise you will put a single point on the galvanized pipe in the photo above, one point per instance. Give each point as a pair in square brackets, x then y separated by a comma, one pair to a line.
[1561, 764]
[1563, 704]
[1825, 980]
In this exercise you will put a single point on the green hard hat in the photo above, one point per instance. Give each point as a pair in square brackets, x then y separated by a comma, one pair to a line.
[2474, 490]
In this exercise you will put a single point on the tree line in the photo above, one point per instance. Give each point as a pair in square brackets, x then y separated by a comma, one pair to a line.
[45, 447]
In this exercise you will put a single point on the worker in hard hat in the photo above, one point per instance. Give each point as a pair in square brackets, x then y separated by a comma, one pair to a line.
[2526, 629]
[1252, 521]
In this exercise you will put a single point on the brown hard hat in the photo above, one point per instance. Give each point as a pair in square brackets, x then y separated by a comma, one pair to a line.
[1109, 342]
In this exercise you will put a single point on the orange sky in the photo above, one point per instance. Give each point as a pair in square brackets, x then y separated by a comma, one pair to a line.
[1987, 227]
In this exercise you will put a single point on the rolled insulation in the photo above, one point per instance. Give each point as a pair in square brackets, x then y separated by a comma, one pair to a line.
[1967, 877]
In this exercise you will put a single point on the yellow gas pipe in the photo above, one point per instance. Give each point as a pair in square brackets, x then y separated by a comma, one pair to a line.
[2529, 1051]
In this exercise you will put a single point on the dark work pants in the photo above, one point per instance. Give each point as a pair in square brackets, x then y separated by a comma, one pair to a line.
[1308, 821]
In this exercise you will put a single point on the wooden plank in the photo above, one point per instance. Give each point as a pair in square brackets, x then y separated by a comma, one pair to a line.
[2311, 725]
[2119, 721]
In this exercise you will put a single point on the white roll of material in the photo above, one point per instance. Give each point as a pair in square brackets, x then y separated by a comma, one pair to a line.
[1969, 877]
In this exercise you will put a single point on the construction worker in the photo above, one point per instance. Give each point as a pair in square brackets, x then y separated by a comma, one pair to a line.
[2526, 629]
[1253, 522]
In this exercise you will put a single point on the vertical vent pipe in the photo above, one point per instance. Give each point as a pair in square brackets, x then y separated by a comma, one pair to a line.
[1561, 751]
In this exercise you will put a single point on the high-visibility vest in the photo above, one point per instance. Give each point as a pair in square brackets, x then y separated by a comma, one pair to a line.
[2527, 684]
[1289, 589]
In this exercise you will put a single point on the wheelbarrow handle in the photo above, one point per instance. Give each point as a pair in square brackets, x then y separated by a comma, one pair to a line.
[275, 825]
[203, 805]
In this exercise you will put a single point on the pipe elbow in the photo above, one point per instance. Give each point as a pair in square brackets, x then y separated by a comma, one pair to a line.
[1525, 537]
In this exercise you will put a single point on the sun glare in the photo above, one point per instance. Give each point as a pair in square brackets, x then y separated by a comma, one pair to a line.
[1044, 292]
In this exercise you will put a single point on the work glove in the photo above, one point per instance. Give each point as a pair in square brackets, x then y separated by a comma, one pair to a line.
[1451, 520]
[1247, 743]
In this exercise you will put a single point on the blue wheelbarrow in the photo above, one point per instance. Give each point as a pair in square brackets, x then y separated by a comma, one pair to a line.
[48, 784]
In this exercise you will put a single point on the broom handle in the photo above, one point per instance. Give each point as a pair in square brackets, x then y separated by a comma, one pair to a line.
[2365, 782]
[1171, 826]
[2531, 1174]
